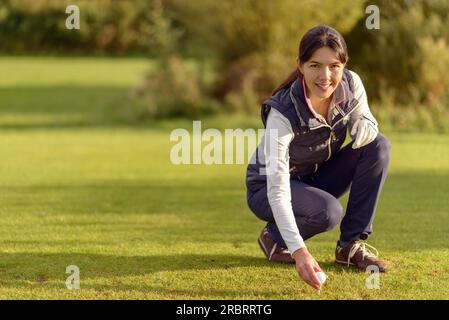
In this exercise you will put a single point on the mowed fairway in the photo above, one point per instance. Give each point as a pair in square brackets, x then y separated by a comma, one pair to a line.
[107, 199]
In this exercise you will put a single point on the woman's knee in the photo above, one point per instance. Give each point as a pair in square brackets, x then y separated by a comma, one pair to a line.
[329, 214]
[258, 204]
[382, 146]
[334, 213]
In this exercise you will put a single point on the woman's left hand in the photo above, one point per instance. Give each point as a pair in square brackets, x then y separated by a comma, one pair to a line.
[364, 131]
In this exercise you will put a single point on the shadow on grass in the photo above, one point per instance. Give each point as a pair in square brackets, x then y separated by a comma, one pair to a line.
[28, 269]
[92, 107]
[97, 107]
[99, 265]
[103, 273]
[67, 107]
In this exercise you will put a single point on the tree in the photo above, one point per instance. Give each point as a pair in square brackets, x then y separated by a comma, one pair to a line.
[408, 58]
[256, 42]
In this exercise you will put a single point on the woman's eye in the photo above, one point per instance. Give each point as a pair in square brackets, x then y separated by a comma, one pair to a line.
[314, 66]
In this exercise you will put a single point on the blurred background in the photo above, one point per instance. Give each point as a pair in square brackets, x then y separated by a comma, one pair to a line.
[162, 59]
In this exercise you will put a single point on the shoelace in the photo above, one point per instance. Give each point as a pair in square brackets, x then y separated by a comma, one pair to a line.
[365, 251]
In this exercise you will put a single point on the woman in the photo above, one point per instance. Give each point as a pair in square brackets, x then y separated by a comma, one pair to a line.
[300, 168]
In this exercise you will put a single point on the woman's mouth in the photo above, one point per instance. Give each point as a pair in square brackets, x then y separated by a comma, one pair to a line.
[323, 86]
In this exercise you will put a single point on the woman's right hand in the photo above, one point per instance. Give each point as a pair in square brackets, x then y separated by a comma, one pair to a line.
[307, 267]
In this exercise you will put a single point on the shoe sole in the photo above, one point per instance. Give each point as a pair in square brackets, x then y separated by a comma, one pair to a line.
[345, 263]
[267, 256]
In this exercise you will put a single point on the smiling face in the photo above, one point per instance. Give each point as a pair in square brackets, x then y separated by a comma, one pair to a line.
[322, 73]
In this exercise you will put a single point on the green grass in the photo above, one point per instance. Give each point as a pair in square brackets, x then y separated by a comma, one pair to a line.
[107, 199]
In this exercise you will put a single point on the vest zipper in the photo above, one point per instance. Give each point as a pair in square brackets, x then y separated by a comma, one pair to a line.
[331, 134]
[329, 145]
[326, 125]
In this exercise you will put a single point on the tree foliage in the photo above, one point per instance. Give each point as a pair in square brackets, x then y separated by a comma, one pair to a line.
[406, 61]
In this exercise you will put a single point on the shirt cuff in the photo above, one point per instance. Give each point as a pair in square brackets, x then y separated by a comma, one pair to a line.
[293, 248]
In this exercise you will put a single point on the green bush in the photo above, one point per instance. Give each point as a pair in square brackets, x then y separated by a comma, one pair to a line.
[434, 79]
[256, 42]
[411, 118]
[172, 90]
[106, 26]
[408, 58]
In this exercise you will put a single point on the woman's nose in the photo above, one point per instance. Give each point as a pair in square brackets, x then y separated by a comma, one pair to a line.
[325, 73]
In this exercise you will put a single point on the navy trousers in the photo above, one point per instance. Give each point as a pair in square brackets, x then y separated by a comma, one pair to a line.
[314, 197]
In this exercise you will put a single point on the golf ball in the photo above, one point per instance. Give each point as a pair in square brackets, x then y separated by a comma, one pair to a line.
[321, 276]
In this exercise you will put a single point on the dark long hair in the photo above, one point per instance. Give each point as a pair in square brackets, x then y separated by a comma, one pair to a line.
[317, 37]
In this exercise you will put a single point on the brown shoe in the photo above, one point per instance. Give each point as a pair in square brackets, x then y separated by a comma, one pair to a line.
[272, 250]
[357, 255]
